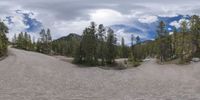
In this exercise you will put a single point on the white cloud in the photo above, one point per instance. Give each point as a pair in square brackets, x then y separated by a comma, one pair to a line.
[110, 17]
[148, 19]
[170, 33]
[16, 26]
[169, 29]
[177, 24]
[63, 28]
[74, 15]
[106, 16]
[121, 33]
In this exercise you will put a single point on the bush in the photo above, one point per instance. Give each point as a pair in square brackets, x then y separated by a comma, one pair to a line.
[136, 63]
[3, 47]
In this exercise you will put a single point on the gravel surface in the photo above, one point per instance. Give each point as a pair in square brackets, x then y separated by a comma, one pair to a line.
[33, 76]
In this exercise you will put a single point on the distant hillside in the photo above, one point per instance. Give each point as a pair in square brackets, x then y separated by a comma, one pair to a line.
[147, 42]
[69, 37]
[66, 45]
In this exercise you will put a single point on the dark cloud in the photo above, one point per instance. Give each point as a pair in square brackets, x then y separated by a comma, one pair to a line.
[71, 9]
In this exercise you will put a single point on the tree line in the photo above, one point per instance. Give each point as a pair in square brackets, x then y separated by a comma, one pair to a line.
[182, 45]
[3, 39]
[66, 45]
[43, 45]
[98, 44]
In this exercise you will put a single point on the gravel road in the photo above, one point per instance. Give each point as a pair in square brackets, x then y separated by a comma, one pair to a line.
[32, 76]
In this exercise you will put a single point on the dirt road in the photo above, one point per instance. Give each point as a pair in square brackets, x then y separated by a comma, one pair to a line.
[33, 76]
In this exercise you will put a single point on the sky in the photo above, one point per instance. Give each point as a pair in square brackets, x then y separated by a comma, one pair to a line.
[126, 17]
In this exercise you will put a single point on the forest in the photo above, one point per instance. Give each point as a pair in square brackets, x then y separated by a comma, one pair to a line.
[3, 39]
[98, 44]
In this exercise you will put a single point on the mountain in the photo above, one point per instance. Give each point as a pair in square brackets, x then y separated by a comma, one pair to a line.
[147, 42]
[66, 45]
[69, 37]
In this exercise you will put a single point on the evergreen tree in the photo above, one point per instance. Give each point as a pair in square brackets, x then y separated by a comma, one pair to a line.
[174, 42]
[111, 47]
[123, 49]
[138, 53]
[23, 41]
[44, 43]
[183, 46]
[132, 55]
[14, 39]
[138, 40]
[88, 45]
[49, 41]
[94, 45]
[3, 39]
[101, 43]
[163, 42]
[195, 30]
[132, 40]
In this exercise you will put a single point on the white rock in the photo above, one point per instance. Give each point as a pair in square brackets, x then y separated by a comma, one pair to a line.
[195, 59]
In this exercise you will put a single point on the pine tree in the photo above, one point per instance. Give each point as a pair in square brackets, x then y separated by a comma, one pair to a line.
[14, 39]
[138, 54]
[101, 43]
[49, 41]
[88, 45]
[138, 40]
[111, 47]
[44, 43]
[23, 41]
[195, 30]
[123, 49]
[3, 39]
[132, 55]
[163, 42]
[183, 46]
[95, 45]
[174, 42]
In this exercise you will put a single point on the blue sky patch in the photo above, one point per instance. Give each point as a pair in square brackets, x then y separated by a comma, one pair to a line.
[149, 29]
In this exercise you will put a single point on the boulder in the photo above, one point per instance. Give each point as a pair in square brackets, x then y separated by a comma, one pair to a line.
[195, 59]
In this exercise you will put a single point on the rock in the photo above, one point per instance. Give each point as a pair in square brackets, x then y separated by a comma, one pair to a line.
[146, 60]
[122, 66]
[195, 59]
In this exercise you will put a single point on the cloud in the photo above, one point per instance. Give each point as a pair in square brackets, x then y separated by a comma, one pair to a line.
[148, 19]
[147, 30]
[22, 21]
[72, 16]
[63, 28]
[122, 33]
[107, 17]
[177, 24]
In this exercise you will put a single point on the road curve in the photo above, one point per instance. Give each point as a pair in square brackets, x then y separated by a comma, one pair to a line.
[32, 76]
